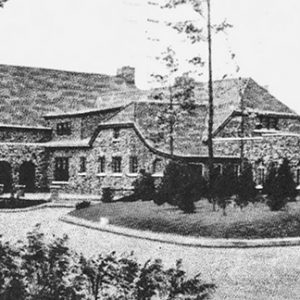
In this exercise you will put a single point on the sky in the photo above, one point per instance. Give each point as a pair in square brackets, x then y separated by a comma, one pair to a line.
[100, 36]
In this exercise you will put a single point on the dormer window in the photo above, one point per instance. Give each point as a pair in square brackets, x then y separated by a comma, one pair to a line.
[63, 128]
[268, 123]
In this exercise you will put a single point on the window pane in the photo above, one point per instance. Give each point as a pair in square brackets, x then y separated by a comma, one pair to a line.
[82, 168]
[116, 164]
[101, 166]
[133, 164]
[116, 133]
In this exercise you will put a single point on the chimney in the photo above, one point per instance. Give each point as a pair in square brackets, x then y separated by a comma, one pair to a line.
[127, 73]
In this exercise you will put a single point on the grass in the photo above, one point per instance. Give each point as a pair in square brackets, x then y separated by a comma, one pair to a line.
[255, 221]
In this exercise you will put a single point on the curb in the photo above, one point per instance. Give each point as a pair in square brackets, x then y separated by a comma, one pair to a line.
[37, 207]
[180, 240]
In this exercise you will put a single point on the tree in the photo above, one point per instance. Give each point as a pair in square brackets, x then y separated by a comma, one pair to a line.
[2, 2]
[224, 187]
[144, 187]
[271, 177]
[282, 188]
[182, 185]
[246, 191]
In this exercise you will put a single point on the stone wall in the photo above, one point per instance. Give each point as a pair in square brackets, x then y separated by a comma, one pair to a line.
[24, 135]
[16, 154]
[92, 182]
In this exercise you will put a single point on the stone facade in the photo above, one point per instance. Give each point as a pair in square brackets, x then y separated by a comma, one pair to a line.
[132, 131]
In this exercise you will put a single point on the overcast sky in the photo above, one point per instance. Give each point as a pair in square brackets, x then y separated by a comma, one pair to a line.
[102, 35]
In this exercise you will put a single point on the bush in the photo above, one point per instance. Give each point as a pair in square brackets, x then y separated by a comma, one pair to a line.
[107, 195]
[181, 186]
[224, 187]
[40, 270]
[83, 204]
[282, 188]
[144, 188]
[246, 191]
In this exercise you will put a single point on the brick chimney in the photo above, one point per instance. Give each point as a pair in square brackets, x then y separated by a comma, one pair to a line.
[127, 73]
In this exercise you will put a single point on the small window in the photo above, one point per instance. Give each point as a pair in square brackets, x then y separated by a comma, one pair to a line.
[82, 168]
[116, 133]
[273, 123]
[116, 164]
[63, 128]
[157, 166]
[236, 170]
[61, 172]
[261, 175]
[133, 164]
[101, 166]
[218, 169]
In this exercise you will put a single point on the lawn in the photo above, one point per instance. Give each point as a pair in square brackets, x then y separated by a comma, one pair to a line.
[254, 221]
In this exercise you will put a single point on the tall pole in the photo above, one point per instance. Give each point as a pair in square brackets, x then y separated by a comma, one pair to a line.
[210, 101]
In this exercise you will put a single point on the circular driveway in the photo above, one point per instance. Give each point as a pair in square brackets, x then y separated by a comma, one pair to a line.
[259, 273]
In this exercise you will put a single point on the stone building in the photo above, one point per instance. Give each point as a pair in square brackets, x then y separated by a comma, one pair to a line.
[117, 134]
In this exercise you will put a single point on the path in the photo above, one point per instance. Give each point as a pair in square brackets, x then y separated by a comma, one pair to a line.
[264, 273]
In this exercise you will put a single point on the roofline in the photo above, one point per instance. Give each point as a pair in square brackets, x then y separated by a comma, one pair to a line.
[132, 125]
[81, 113]
[24, 127]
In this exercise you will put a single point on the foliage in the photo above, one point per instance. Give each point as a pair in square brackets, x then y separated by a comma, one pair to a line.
[13, 203]
[144, 187]
[2, 2]
[39, 270]
[224, 187]
[83, 204]
[246, 191]
[181, 186]
[107, 195]
[282, 188]
[271, 177]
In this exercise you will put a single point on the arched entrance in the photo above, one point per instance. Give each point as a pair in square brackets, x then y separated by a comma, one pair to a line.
[5, 176]
[27, 176]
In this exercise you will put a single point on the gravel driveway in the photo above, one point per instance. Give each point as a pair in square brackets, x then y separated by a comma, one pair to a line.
[270, 273]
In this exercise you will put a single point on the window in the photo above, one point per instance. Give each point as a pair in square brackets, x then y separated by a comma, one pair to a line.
[63, 128]
[61, 172]
[82, 167]
[133, 164]
[269, 123]
[158, 166]
[116, 133]
[261, 175]
[101, 164]
[218, 169]
[236, 170]
[116, 164]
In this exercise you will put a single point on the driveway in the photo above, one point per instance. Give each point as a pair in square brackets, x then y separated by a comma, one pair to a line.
[263, 273]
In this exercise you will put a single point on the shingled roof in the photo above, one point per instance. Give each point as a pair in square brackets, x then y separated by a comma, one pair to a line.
[26, 94]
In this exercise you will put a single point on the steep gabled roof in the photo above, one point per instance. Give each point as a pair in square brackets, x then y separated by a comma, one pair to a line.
[26, 94]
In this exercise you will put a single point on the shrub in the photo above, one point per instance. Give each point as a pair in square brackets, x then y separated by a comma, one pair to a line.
[246, 191]
[282, 188]
[181, 186]
[144, 188]
[83, 204]
[107, 195]
[224, 187]
[40, 270]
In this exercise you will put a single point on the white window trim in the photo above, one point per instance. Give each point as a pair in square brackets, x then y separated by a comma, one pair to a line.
[117, 175]
[59, 182]
[82, 174]
[160, 174]
[101, 174]
[132, 174]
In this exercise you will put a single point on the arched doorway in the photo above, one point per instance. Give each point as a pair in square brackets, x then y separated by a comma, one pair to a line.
[5, 176]
[27, 176]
